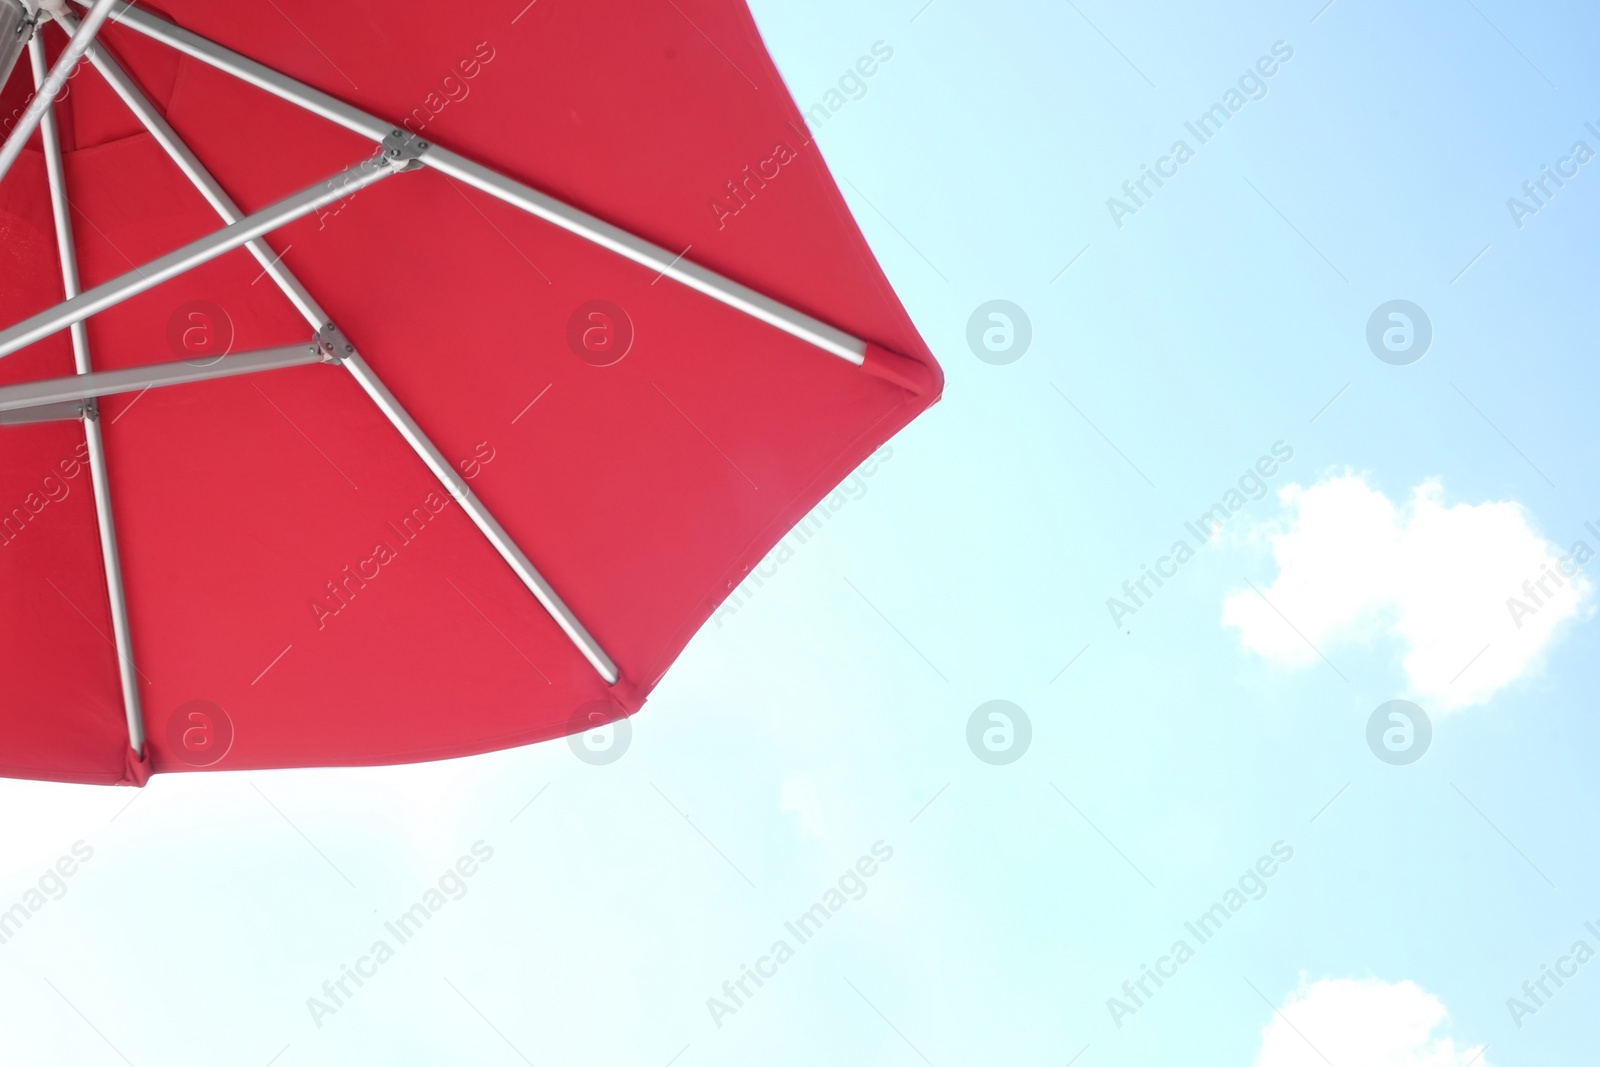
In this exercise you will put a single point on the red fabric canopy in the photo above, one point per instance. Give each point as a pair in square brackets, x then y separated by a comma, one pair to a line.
[288, 559]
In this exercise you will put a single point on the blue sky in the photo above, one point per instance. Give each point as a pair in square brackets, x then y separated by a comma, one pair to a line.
[1170, 751]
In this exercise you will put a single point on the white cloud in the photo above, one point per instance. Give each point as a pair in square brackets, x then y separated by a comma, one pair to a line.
[1355, 567]
[1367, 1022]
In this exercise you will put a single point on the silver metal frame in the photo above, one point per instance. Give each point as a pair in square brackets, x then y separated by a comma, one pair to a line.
[399, 146]
[654, 257]
[87, 385]
[71, 411]
[400, 151]
[46, 90]
[481, 517]
[111, 559]
[16, 28]
[197, 174]
[345, 183]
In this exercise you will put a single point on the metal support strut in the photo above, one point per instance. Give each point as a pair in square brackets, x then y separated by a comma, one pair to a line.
[111, 559]
[36, 397]
[46, 88]
[651, 256]
[246, 229]
[400, 150]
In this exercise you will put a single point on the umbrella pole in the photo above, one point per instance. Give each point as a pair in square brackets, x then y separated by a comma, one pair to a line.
[98, 479]
[346, 354]
[653, 257]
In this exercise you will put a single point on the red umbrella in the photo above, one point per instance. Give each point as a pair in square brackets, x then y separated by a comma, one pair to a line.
[414, 387]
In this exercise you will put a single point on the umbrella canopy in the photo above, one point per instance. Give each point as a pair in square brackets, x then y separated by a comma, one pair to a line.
[462, 452]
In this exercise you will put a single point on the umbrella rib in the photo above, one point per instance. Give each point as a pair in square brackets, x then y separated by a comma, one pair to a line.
[481, 517]
[87, 385]
[580, 223]
[346, 354]
[108, 294]
[163, 133]
[49, 87]
[110, 557]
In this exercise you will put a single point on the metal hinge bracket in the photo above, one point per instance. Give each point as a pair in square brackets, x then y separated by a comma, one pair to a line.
[330, 341]
[402, 150]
